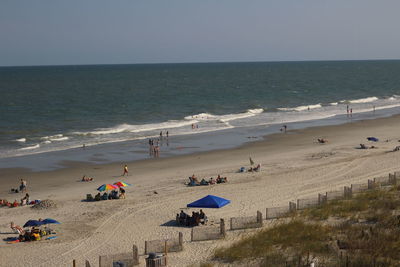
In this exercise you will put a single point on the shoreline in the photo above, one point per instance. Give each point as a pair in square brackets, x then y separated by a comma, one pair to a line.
[10, 177]
[114, 152]
[293, 165]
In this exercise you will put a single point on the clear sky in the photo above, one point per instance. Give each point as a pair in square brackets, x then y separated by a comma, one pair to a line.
[51, 32]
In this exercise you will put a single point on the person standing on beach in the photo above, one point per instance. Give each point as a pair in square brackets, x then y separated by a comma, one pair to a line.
[125, 170]
[347, 110]
[167, 134]
[351, 112]
[161, 135]
[284, 128]
[22, 187]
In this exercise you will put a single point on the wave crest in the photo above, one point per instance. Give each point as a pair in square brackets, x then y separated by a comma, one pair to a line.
[301, 108]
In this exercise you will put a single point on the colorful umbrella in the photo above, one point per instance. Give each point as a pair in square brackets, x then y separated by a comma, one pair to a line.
[121, 184]
[48, 221]
[33, 223]
[107, 187]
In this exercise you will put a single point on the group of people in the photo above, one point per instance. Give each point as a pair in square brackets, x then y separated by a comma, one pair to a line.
[35, 234]
[24, 201]
[219, 180]
[251, 169]
[114, 194]
[154, 149]
[197, 218]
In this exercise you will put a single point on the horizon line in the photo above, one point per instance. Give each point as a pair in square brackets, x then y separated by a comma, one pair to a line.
[195, 62]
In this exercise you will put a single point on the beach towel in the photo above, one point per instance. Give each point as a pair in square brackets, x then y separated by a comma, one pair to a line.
[51, 237]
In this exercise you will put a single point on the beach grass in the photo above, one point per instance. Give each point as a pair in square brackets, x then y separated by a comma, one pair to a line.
[366, 232]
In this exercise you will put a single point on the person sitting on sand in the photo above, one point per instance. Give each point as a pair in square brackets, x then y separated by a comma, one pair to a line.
[97, 197]
[15, 204]
[193, 180]
[86, 179]
[16, 228]
[203, 217]
[322, 141]
[397, 148]
[182, 218]
[257, 168]
[211, 181]
[25, 200]
[221, 180]
[122, 193]
[203, 182]
[362, 146]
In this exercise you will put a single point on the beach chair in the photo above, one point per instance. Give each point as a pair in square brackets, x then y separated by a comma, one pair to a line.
[89, 197]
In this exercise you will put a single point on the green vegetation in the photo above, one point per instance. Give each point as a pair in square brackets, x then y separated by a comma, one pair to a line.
[361, 231]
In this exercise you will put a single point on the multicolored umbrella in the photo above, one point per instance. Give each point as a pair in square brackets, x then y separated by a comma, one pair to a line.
[107, 187]
[121, 184]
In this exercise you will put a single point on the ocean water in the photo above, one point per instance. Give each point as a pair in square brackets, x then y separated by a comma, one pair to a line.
[56, 108]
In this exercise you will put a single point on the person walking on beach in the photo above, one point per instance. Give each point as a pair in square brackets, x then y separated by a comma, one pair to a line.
[125, 170]
[351, 112]
[347, 110]
[161, 135]
[167, 134]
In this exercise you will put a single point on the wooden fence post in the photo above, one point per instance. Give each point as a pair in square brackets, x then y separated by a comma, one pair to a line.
[292, 206]
[145, 247]
[222, 228]
[87, 264]
[73, 263]
[135, 255]
[371, 184]
[259, 218]
[347, 192]
[180, 237]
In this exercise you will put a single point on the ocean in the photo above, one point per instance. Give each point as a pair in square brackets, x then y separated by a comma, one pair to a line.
[117, 108]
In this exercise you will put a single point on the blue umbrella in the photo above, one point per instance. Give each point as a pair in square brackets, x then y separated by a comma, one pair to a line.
[49, 221]
[31, 223]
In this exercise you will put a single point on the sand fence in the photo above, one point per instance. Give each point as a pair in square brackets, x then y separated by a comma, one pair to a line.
[247, 222]
[279, 212]
[162, 245]
[212, 232]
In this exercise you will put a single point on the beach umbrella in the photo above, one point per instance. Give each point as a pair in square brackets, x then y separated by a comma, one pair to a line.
[32, 223]
[209, 201]
[107, 187]
[121, 184]
[49, 221]
[251, 161]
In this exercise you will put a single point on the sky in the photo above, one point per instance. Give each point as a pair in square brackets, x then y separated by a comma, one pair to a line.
[51, 32]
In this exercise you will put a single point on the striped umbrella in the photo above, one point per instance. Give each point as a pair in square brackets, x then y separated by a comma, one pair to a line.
[121, 184]
[107, 187]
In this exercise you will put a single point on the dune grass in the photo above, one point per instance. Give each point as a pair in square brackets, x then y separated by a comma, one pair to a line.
[368, 234]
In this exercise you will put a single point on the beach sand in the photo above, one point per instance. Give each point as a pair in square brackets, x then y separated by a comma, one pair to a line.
[294, 165]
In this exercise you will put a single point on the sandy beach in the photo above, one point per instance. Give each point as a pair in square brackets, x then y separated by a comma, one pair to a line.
[293, 165]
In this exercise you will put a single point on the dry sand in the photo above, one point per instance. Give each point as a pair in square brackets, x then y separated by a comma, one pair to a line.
[293, 165]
